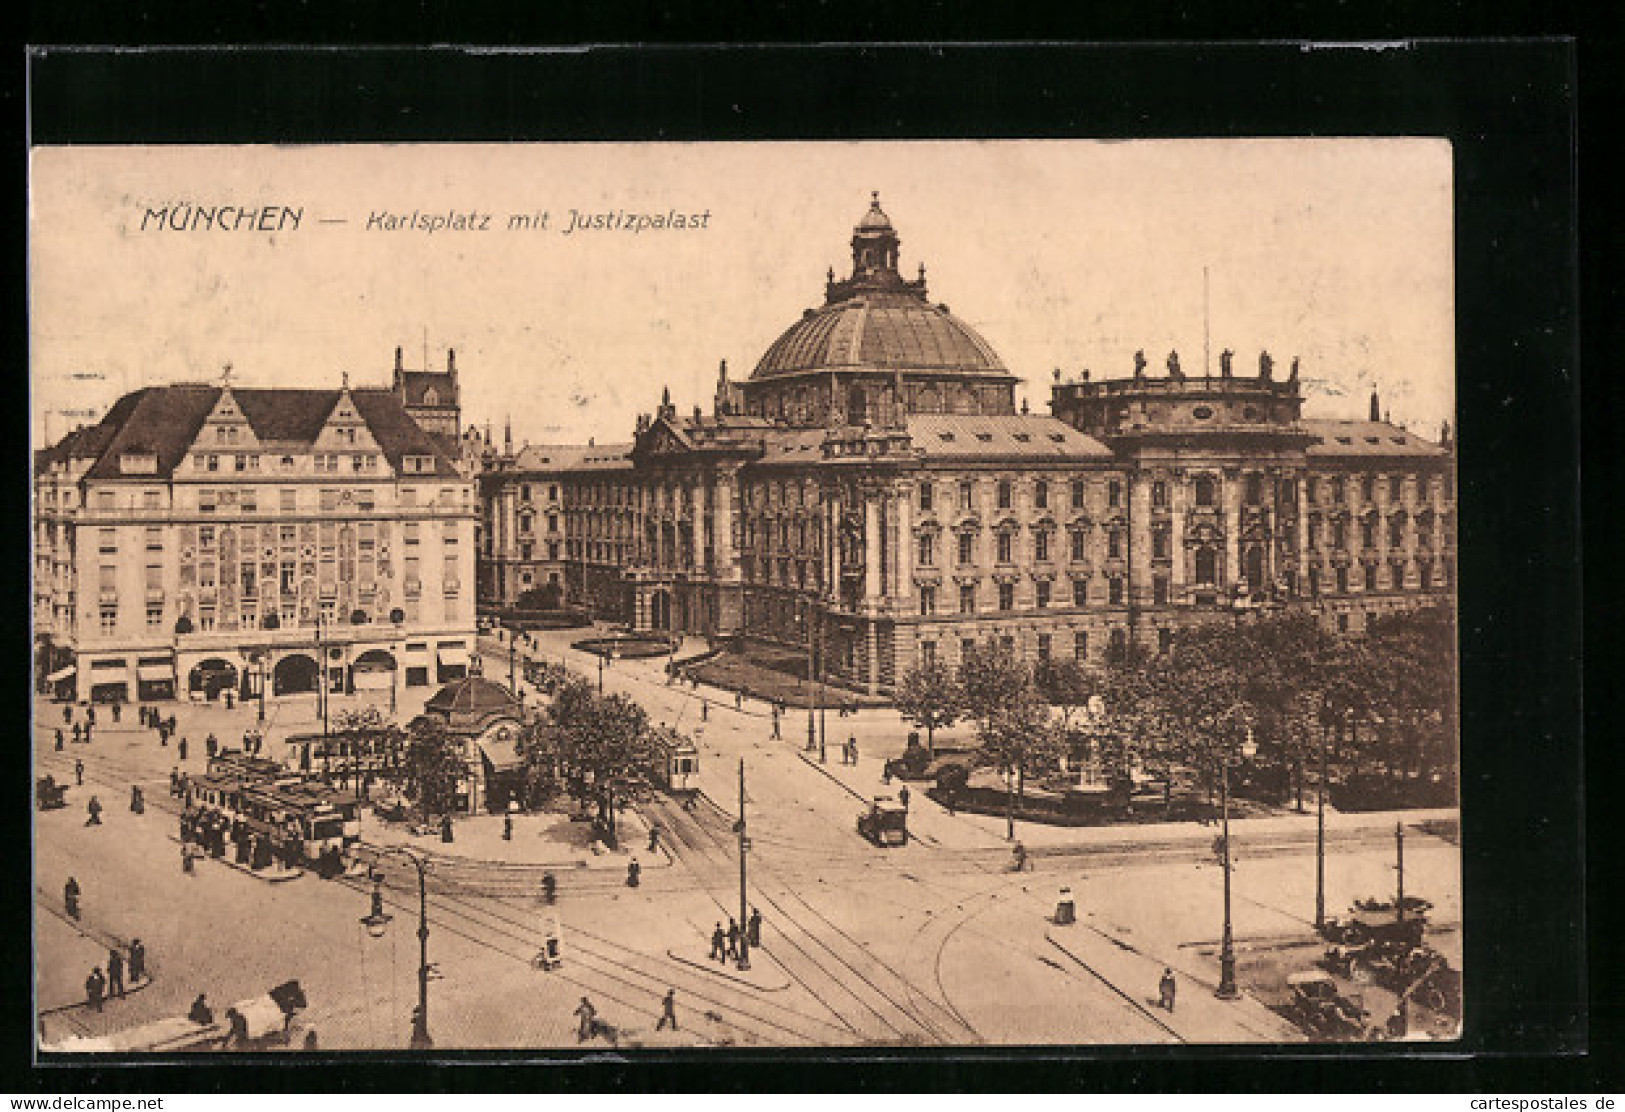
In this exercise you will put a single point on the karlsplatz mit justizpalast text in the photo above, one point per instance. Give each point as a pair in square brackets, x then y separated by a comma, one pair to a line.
[613, 220]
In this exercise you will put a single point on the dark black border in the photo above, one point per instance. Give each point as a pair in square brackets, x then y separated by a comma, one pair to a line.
[1508, 108]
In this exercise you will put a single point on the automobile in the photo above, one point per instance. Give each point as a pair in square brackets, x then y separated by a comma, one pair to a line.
[1320, 1008]
[885, 823]
[50, 794]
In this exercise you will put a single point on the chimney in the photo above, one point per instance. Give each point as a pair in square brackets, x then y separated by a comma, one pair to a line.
[397, 380]
[451, 364]
[1376, 408]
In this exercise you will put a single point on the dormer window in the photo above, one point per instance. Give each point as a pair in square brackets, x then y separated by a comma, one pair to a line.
[138, 463]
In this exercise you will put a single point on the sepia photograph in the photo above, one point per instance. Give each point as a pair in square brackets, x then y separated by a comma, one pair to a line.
[705, 595]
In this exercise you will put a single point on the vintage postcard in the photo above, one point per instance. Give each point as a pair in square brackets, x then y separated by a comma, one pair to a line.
[570, 596]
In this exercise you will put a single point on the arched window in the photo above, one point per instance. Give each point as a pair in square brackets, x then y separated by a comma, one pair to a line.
[1204, 490]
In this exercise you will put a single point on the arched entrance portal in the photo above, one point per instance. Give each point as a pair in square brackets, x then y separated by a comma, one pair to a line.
[660, 610]
[294, 675]
[210, 677]
[373, 670]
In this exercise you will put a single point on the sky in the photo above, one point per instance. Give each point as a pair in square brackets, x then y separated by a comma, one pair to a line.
[1061, 254]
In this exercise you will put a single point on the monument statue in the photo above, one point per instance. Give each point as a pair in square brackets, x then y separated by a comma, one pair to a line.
[1224, 362]
[1173, 367]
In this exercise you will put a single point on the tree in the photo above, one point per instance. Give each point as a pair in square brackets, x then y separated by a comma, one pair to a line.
[549, 596]
[434, 765]
[602, 740]
[363, 732]
[1018, 739]
[1066, 686]
[930, 698]
[538, 746]
[989, 677]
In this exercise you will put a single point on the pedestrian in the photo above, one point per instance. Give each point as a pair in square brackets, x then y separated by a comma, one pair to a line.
[445, 828]
[70, 898]
[211, 745]
[719, 944]
[67, 714]
[181, 748]
[776, 723]
[1165, 990]
[733, 937]
[138, 803]
[654, 837]
[902, 797]
[588, 1016]
[550, 887]
[705, 710]
[90, 715]
[310, 1040]
[753, 928]
[507, 828]
[174, 781]
[668, 1011]
[87, 733]
[229, 698]
[59, 739]
[78, 732]
[200, 1011]
[78, 772]
[95, 986]
[115, 713]
[633, 872]
[852, 744]
[94, 808]
[138, 962]
[739, 700]
[115, 970]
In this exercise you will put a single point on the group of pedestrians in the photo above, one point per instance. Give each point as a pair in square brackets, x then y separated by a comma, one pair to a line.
[725, 943]
[849, 751]
[100, 988]
[589, 1026]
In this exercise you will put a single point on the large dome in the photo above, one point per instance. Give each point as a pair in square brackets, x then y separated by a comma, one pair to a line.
[879, 330]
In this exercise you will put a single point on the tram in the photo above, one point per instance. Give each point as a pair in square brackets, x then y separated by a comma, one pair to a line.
[676, 764]
[296, 818]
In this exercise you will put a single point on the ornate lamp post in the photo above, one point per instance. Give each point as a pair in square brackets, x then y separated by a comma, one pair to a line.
[1227, 989]
[377, 921]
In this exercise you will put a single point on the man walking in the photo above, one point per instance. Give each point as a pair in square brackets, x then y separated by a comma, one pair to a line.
[719, 942]
[115, 973]
[753, 928]
[95, 987]
[733, 938]
[138, 962]
[78, 772]
[70, 898]
[668, 1011]
[59, 739]
[588, 1016]
[1166, 989]
[95, 809]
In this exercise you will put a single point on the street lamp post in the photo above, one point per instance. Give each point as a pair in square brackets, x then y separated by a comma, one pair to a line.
[1227, 989]
[378, 920]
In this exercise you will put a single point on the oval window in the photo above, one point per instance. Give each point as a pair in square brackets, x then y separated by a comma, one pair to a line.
[1250, 413]
[1202, 412]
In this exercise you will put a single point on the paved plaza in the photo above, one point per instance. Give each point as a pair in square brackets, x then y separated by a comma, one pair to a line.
[934, 943]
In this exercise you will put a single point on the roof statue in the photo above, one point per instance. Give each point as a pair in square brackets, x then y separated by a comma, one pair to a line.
[1173, 367]
[1225, 357]
[1139, 364]
[1293, 377]
[1266, 365]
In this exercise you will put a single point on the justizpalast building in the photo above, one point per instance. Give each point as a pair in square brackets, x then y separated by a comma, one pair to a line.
[870, 494]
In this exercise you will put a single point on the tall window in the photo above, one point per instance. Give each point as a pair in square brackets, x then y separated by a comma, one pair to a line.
[1080, 494]
[1114, 543]
[1368, 488]
[1396, 488]
[1042, 596]
[1006, 548]
[1342, 581]
[1005, 496]
[927, 546]
[1114, 494]
[925, 498]
[1159, 543]
[965, 495]
[1114, 590]
[1080, 592]
[1159, 493]
[1159, 591]
[1255, 489]
[1371, 577]
[1080, 550]
[928, 653]
[1007, 596]
[1207, 567]
[967, 548]
[928, 600]
[1041, 494]
[967, 598]
[1043, 646]
[1080, 646]
[1204, 490]
[1041, 545]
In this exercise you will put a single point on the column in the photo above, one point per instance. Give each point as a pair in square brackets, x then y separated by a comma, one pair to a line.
[905, 546]
[722, 522]
[1139, 538]
[1178, 496]
[872, 587]
[1230, 574]
[697, 528]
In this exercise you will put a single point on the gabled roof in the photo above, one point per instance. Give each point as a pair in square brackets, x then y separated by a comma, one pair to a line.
[571, 457]
[1366, 439]
[1019, 437]
[164, 421]
[415, 384]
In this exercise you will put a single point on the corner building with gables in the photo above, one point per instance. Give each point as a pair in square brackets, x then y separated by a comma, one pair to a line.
[204, 538]
[870, 498]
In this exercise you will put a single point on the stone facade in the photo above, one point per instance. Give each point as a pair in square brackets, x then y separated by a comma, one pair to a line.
[204, 537]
